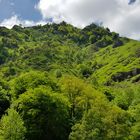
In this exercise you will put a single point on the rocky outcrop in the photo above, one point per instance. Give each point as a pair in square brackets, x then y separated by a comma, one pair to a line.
[125, 75]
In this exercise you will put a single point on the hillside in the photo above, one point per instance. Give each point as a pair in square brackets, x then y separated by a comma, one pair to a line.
[61, 82]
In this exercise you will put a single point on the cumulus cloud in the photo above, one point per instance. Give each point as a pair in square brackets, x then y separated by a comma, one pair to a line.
[15, 20]
[119, 15]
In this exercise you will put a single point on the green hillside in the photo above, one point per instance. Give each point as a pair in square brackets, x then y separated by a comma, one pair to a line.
[59, 82]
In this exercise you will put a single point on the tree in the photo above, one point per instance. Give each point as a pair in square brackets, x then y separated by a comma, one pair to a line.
[58, 73]
[80, 95]
[117, 43]
[4, 101]
[85, 70]
[45, 114]
[103, 122]
[12, 126]
[3, 54]
[92, 39]
[30, 80]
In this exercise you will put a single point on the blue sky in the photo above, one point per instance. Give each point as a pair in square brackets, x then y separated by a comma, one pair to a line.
[121, 16]
[25, 9]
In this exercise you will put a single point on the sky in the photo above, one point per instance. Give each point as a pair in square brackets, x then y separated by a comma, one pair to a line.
[121, 16]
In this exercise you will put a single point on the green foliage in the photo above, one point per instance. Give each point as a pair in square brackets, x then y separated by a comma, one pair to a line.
[3, 54]
[58, 74]
[117, 64]
[69, 83]
[45, 114]
[9, 43]
[4, 97]
[103, 122]
[12, 126]
[4, 101]
[30, 80]
[85, 70]
[80, 94]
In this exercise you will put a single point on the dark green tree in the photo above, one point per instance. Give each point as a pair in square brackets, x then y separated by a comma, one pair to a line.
[45, 114]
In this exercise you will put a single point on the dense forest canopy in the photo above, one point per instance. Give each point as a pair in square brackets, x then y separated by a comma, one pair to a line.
[59, 82]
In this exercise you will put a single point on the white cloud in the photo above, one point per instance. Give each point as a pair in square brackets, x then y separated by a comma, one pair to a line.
[9, 23]
[115, 14]
[15, 20]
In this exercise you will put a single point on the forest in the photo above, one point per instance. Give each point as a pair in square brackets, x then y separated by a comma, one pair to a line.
[60, 82]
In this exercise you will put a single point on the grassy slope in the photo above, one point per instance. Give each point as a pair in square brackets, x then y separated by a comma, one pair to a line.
[117, 60]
